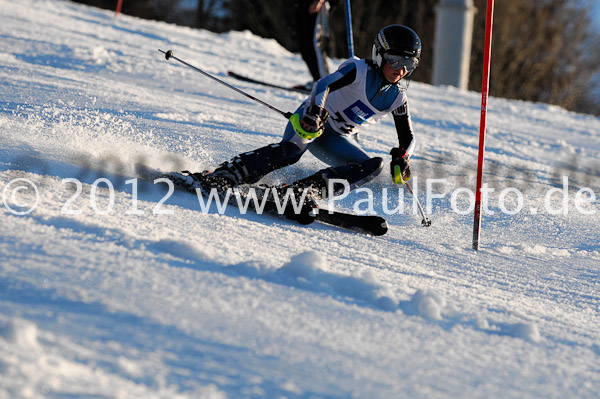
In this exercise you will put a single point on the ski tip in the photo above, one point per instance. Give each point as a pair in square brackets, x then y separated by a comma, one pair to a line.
[381, 228]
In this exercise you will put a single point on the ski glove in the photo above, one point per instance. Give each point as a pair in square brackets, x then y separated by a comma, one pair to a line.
[400, 165]
[314, 119]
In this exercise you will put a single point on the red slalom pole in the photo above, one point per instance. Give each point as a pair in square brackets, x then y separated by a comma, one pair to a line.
[118, 10]
[489, 20]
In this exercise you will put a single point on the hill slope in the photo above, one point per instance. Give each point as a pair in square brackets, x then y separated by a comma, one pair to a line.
[107, 291]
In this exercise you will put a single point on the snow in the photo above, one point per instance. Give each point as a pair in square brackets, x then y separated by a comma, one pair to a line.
[109, 289]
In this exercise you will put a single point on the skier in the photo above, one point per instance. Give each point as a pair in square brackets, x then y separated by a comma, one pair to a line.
[311, 32]
[326, 124]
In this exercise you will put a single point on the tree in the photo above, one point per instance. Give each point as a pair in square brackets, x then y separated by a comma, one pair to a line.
[159, 10]
[369, 16]
[274, 19]
[542, 51]
[212, 15]
[266, 18]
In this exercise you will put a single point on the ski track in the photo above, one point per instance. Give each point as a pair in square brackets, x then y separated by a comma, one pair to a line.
[200, 305]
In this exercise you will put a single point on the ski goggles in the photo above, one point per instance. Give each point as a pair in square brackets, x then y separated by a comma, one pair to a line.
[397, 61]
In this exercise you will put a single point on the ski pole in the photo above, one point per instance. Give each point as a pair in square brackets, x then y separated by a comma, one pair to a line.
[425, 222]
[169, 54]
[349, 29]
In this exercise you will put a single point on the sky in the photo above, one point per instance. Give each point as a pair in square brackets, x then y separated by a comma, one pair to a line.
[596, 14]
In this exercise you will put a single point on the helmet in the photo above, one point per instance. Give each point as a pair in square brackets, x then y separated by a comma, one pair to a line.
[399, 45]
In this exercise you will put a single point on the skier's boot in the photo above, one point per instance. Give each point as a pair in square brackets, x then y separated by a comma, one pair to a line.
[250, 167]
[336, 179]
[222, 179]
[312, 188]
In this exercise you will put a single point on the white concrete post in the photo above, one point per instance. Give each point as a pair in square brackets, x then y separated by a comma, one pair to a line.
[453, 37]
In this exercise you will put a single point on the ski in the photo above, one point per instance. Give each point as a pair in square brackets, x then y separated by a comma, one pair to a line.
[303, 215]
[367, 224]
[370, 224]
[297, 89]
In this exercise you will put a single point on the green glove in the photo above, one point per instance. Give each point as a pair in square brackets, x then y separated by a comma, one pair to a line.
[400, 165]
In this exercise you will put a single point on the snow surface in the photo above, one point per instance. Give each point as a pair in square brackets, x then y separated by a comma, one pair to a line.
[100, 297]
